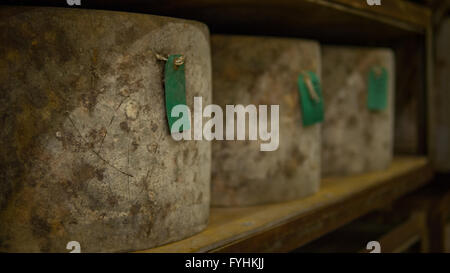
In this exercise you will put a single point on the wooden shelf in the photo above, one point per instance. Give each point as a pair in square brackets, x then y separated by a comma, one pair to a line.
[339, 21]
[286, 226]
[402, 237]
[398, 10]
[395, 235]
[434, 202]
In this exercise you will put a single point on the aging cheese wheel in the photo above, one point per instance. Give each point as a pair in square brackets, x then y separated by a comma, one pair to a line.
[264, 71]
[355, 139]
[85, 149]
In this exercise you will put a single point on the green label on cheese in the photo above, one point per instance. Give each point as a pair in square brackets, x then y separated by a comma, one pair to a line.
[311, 100]
[175, 92]
[377, 89]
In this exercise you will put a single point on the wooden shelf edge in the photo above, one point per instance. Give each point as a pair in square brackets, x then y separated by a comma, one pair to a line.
[396, 10]
[399, 13]
[400, 10]
[285, 226]
[402, 237]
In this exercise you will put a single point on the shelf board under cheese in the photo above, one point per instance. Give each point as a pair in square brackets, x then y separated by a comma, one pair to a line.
[286, 226]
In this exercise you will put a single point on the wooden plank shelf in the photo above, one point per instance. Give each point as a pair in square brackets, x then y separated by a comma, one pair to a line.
[434, 202]
[286, 226]
[400, 11]
[339, 21]
[402, 237]
[395, 235]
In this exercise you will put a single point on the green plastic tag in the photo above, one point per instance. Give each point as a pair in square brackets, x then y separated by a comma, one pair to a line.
[175, 92]
[377, 90]
[311, 100]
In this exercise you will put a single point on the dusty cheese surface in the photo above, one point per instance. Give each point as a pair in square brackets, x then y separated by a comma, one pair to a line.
[355, 139]
[86, 153]
[264, 71]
